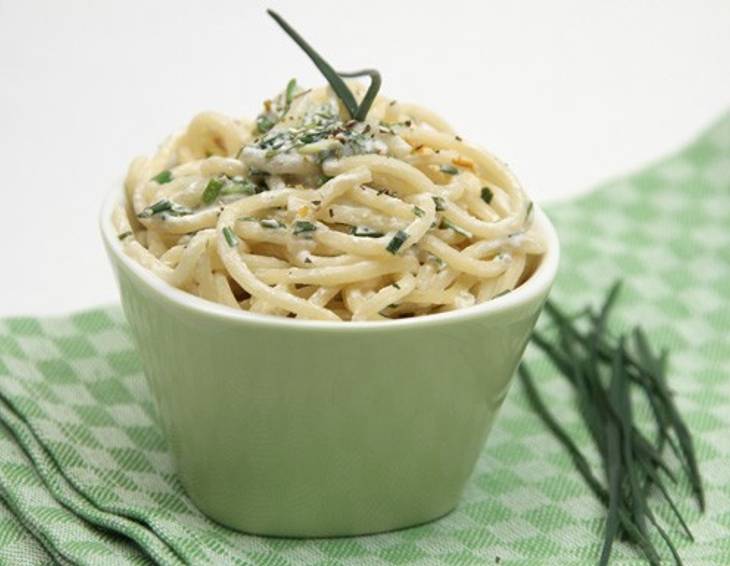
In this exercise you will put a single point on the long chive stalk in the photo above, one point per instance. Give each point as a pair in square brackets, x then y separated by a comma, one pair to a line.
[581, 463]
[645, 370]
[370, 94]
[356, 112]
[654, 368]
[602, 370]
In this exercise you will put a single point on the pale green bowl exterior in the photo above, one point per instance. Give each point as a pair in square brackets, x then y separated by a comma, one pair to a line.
[299, 428]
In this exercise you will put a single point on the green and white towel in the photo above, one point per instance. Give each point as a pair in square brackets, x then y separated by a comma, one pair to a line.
[86, 476]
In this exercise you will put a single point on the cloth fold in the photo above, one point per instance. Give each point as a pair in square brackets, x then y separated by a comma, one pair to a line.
[86, 476]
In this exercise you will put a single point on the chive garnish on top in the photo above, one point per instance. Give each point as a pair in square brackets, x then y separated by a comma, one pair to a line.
[604, 370]
[449, 169]
[356, 112]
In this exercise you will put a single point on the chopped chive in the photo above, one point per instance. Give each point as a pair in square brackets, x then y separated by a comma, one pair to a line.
[303, 228]
[449, 169]
[160, 206]
[396, 286]
[365, 232]
[264, 123]
[397, 242]
[451, 226]
[528, 212]
[419, 211]
[487, 194]
[125, 235]
[290, 88]
[440, 203]
[212, 190]
[271, 223]
[230, 237]
[163, 177]
[244, 187]
[248, 219]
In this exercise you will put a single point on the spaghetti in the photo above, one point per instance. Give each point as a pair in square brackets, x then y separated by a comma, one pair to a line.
[309, 214]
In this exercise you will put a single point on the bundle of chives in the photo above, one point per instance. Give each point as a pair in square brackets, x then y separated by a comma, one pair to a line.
[604, 369]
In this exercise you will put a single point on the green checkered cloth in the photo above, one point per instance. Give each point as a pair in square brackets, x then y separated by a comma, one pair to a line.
[86, 476]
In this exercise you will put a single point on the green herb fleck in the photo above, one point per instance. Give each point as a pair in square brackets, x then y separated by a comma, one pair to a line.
[264, 123]
[272, 223]
[528, 212]
[244, 187]
[397, 242]
[164, 206]
[125, 235]
[212, 190]
[449, 169]
[487, 194]
[447, 224]
[365, 232]
[419, 211]
[303, 228]
[440, 203]
[230, 237]
[163, 177]
[290, 88]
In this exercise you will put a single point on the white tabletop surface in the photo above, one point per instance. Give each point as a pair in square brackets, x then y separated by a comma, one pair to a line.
[567, 92]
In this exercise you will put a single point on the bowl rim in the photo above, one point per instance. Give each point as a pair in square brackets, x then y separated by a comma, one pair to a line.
[536, 287]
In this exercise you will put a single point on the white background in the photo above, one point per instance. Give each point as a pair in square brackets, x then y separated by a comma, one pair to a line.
[567, 92]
